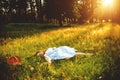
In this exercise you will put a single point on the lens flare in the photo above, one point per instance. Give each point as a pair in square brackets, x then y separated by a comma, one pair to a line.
[107, 2]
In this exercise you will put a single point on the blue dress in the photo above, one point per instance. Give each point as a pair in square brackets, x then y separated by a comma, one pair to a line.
[60, 52]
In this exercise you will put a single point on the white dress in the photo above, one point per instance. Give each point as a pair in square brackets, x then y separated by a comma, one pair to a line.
[59, 53]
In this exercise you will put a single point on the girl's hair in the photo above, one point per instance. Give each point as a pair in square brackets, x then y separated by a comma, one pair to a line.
[40, 52]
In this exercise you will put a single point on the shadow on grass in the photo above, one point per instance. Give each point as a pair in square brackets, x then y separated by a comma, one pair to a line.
[17, 30]
[20, 30]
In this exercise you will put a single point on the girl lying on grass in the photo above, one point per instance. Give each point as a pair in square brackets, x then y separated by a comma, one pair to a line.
[63, 52]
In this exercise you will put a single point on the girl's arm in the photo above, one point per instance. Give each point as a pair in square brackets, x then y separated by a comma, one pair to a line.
[47, 58]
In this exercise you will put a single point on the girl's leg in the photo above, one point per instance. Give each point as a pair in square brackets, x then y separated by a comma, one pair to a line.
[81, 53]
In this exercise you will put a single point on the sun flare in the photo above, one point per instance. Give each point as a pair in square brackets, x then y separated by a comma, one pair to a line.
[107, 2]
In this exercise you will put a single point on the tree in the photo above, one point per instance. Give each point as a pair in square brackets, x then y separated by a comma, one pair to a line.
[86, 10]
[12, 9]
[21, 10]
[39, 10]
[116, 15]
[59, 9]
[4, 6]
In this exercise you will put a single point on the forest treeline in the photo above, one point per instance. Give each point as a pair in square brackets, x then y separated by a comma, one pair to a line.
[57, 11]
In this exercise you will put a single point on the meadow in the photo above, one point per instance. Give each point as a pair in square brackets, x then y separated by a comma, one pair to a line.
[25, 39]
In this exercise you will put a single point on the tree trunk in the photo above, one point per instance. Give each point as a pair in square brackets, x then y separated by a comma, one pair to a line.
[32, 10]
[39, 11]
[60, 20]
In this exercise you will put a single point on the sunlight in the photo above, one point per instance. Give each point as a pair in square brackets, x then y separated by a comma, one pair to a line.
[103, 31]
[107, 2]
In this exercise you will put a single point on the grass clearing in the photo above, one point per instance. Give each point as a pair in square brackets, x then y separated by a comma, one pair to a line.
[101, 39]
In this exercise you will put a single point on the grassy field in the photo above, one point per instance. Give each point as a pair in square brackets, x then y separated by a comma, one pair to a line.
[24, 40]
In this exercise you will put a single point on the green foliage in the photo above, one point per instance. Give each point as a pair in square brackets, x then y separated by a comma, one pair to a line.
[102, 40]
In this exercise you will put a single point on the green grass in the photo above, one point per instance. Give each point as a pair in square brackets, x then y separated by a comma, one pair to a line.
[25, 40]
